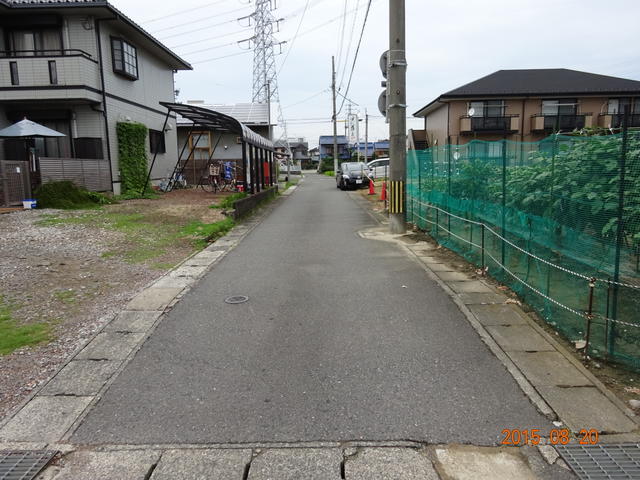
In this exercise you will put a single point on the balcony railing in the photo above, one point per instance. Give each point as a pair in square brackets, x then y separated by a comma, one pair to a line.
[29, 70]
[499, 124]
[561, 122]
[614, 120]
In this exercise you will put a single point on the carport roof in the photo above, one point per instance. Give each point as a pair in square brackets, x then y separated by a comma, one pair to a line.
[212, 120]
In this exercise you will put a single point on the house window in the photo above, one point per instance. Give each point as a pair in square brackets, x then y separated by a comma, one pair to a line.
[560, 106]
[53, 72]
[617, 106]
[88, 148]
[488, 108]
[125, 58]
[47, 41]
[13, 67]
[156, 142]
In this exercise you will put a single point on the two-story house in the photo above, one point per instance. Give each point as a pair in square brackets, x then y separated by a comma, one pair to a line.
[80, 67]
[326, 147]
[527, 105]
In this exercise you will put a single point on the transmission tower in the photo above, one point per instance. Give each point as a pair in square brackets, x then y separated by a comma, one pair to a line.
[264, 45]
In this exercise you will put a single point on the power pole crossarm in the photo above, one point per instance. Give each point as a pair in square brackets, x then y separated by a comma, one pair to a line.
[396, 112]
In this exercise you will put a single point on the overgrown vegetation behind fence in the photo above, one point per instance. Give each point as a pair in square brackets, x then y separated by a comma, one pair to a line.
[557, 220]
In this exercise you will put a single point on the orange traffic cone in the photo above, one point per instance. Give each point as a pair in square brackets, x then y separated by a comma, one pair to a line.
[372, 190]
[383, 194]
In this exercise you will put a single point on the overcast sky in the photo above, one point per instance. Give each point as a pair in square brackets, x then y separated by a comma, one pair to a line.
[449, 43]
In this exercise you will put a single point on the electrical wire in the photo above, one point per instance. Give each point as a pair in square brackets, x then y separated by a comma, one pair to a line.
[180, 12]
[346, 57]
[308, 98]
[220, 58]
[293, 41]
[355, 58]
[341, 36]
[214, 47]
[207, 27]
[191, 22]
[211, 38]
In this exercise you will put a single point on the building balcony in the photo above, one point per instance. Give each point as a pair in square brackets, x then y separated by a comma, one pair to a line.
[614, 120]
[49, 75]
[561, 123]
[504, 124]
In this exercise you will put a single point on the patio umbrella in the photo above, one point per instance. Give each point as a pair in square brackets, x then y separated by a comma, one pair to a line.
[28, 129]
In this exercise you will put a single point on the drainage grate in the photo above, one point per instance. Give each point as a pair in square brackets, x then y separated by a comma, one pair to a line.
[236, 299]
[23, 465]
[603, 462]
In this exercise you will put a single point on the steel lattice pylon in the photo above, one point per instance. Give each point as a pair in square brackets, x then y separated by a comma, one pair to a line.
[265, 82]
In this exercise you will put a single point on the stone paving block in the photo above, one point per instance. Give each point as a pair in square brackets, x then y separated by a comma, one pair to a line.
[202, 465]
[88, 465]
[188, 271]
[437, 267]
[548, 368]
[128, 321]
[471, 286]
[154, 298]
[587, 407]
[174, 282]
[390, 464]
[44, 419]
[502, 314]
[482, 298]
[453, 276]
[481, 463]
[81, 378]
[110, 346]
[519, 338]
[297, 464]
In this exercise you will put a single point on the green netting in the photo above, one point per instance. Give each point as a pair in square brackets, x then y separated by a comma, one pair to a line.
[545, 218]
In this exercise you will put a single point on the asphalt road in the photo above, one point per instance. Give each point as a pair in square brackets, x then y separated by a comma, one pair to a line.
[330, 347]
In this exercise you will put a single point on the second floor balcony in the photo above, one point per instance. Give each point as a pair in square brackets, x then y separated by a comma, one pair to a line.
[614, 120]
[561, 122]
[44, 75]
[503, 124]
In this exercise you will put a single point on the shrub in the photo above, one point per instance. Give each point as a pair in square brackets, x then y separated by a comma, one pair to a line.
[66, 195]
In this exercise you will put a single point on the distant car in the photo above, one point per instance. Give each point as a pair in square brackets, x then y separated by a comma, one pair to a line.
[378, 168]
[352, 175]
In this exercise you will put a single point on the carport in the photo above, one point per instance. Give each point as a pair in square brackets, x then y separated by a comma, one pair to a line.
[257, 152]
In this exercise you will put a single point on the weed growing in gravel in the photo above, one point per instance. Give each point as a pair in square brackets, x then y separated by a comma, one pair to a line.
[204, 233]
[227, 202]
[14, 336]
[66, 296]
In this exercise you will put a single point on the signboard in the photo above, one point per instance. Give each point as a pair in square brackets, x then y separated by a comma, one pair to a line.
[353, 128]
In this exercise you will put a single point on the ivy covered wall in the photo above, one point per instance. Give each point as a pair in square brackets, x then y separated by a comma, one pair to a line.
[132, 154]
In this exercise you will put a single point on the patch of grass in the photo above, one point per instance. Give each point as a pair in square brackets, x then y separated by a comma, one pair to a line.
[227, 202]
[163, 266]
[148, 195]
[66, 296]
[203, 233]
[68, 196]
[14, 336]
[330, 173]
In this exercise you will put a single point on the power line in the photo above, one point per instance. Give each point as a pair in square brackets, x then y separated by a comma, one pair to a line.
[220, 58]
[214, 47]
[206, 27]
[308, 98]
[342, 29]
[355, 58]
[211, 38]
[294, 37]
[180, 12]
[346, 58]
[191, 22]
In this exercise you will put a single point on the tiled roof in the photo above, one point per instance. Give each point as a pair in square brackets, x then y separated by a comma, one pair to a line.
[246, 113]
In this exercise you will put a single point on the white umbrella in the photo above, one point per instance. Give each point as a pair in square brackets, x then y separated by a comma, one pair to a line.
[27, 128]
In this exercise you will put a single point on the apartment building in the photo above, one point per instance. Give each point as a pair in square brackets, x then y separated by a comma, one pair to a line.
[527, 105]
[80, 67]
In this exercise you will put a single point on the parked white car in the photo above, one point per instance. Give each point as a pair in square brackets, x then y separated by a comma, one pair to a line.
[378, 168]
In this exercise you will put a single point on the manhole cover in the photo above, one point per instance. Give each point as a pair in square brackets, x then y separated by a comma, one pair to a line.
[23, 465]
[236, 299]
[603, 462]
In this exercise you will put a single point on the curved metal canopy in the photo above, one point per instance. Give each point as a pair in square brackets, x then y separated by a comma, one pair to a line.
[203, 117]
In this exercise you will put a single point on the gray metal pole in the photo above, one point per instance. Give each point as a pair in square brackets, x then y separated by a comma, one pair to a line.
[366, 137]
[335, 117]
[396, 113]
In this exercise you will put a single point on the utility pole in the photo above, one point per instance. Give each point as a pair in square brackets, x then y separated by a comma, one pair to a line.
[396, 114]
[366, 136]
[335, 117]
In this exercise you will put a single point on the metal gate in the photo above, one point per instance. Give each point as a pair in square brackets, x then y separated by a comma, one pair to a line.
[15, 185]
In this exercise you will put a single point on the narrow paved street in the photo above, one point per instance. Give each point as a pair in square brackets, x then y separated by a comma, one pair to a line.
[342, 339]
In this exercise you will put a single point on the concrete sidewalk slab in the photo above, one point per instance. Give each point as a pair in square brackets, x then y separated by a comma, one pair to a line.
[297, 464]
[188, 271]
[87, 465]
[587, 407]
[133, 321]
[175, 282]
[44, 419]
[453, 276]
[389, 464]
[81, 378]
[110, 346]
[437, 267]
[477, 463]
[471, 286]
[482, 298]
[202, 465]
[498, 314]
[154, 298]
[548, 368]
[519, 338]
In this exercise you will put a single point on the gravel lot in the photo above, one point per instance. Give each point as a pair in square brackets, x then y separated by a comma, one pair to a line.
[75, 275]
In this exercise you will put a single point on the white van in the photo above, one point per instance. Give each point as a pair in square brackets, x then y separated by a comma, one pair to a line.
[378, 168]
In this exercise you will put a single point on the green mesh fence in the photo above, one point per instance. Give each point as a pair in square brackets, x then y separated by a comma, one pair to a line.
[545, 218]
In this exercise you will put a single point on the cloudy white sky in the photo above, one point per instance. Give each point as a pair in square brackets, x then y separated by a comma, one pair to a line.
[449, 43]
